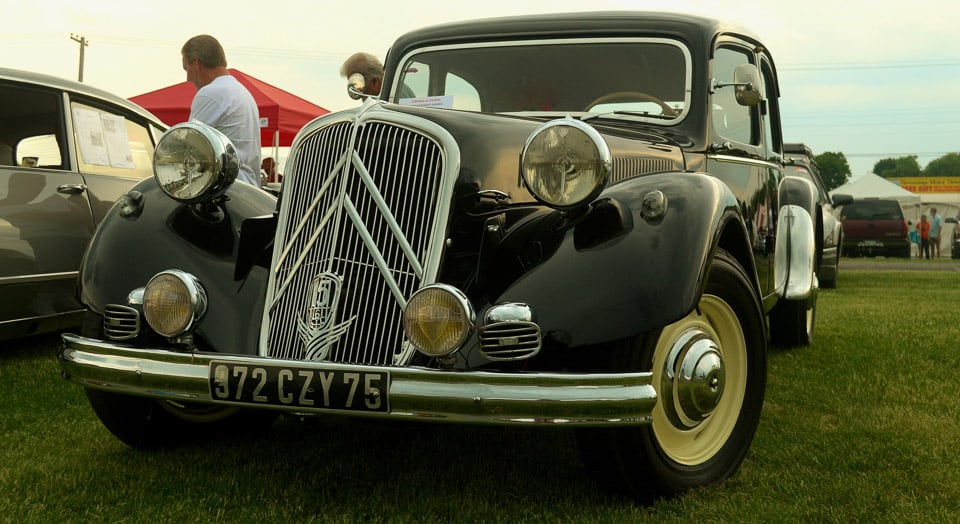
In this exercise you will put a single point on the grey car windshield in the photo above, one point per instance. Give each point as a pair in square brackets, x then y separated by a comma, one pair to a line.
[646, 76]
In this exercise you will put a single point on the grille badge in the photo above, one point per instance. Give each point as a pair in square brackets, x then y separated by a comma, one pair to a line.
[318, 330]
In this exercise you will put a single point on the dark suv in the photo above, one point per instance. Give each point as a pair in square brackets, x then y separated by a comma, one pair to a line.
[874, 227]
[570, 220]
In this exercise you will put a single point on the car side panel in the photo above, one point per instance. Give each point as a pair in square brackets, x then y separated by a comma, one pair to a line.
[44, 228]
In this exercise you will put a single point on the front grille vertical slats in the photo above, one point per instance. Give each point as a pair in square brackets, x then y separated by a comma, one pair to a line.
[389, 189]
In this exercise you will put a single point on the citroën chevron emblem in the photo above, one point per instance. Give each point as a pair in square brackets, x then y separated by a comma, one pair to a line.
[317, 328]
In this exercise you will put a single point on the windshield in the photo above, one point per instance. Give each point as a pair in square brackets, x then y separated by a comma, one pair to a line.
[644, 76]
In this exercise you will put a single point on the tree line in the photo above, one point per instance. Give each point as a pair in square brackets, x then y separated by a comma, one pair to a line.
[835, 171]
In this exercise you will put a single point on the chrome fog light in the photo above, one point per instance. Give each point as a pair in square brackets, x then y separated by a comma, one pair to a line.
[565, 163]
[194, 162]
[172, 301]
[438, 319]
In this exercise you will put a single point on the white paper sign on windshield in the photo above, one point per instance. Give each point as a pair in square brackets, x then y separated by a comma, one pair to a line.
[445, 101]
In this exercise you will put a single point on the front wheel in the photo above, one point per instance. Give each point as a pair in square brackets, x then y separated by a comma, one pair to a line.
[709, 369]
[142, 422]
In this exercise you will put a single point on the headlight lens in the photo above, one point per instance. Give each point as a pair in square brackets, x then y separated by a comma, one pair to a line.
[172, 301]
[194, 162]
[565, 163]
[438, 319]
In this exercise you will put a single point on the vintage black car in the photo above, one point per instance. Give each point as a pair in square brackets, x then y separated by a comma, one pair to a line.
[67, 152]
[574, 220]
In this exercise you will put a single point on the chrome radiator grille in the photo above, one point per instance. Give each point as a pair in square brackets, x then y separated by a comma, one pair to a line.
[362, 205]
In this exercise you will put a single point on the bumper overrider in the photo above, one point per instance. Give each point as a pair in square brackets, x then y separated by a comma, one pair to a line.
[470, 397]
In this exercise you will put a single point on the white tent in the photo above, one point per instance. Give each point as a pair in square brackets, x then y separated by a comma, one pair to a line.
[874, 186]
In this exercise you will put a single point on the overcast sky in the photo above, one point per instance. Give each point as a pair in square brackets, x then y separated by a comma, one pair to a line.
[871, 79]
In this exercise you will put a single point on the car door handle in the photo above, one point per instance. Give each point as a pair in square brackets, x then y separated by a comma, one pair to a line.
[71, 189]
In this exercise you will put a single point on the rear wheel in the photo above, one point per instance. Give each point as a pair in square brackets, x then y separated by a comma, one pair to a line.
[709, 369]
[792, 322]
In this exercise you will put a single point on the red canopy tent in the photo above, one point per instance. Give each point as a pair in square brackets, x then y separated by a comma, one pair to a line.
[281, 114]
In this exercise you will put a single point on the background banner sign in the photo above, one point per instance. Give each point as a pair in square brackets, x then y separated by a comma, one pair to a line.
[949, 184]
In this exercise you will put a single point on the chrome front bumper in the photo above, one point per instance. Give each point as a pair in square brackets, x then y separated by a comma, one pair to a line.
[470, 397]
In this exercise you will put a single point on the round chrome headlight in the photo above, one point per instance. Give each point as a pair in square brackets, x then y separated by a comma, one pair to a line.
[172, 301]
[565, 163]
[194, 162]
[438, 319]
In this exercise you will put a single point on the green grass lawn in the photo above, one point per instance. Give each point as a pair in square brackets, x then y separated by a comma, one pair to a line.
[862, 426]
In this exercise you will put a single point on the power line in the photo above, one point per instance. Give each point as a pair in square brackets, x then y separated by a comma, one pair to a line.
[892, 64]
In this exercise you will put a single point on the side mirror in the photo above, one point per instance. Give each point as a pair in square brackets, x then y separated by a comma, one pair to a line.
[355, 85]
[746, 81]
[841, 200]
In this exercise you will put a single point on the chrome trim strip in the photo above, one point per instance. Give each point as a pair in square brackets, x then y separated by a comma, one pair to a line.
[744, 160]
[474, 397]
[27, 279]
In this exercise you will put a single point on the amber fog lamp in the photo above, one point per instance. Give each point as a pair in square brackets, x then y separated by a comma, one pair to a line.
[438, 319]
[194, 162]
[172, 301]
[565, 163]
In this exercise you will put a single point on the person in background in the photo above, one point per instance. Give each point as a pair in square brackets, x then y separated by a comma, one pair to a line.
[914, 237]
[936, 225]
[223, 103]
[268, 170]
[924, 228]
[367, 65]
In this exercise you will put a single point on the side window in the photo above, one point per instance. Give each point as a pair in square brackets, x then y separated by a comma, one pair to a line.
[31, 128]
[730, 119]
[110, 144]
[771, 115]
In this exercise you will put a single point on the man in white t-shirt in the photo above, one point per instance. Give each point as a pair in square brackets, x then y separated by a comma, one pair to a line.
[222, 102]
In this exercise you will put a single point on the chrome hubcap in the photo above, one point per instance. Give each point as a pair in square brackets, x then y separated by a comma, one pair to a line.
[692, 378]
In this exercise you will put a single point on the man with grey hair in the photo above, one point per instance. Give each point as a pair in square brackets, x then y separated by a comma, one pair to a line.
[367, 65]
[223, 103]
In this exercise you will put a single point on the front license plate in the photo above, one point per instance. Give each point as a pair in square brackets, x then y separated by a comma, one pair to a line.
[870, 243]
[299, 387]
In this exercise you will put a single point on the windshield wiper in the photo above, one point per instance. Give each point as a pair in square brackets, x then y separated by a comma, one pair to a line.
[591, 116]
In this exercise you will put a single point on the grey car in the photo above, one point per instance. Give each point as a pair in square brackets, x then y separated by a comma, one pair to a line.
[802, 163]
[67, 153]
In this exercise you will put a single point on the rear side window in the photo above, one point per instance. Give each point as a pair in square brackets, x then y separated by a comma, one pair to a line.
[31, 128]
[873, 210]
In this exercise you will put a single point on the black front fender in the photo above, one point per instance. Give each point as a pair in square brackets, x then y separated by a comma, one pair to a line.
[633, 274]
[126, 252]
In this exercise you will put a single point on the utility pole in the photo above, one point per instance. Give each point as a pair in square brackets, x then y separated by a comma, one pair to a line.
[83, 43]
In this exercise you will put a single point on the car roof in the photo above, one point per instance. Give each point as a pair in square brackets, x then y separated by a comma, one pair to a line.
[697, 30]
[62, 84]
